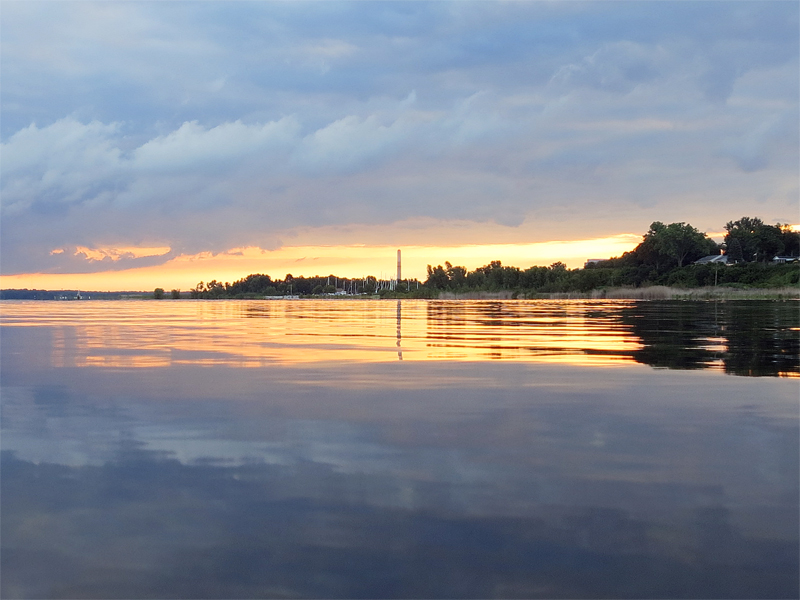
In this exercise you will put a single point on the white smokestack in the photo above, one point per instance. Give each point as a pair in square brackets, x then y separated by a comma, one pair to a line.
[398, 267]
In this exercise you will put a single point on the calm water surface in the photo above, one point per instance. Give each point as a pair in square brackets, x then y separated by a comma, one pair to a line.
[382, 449]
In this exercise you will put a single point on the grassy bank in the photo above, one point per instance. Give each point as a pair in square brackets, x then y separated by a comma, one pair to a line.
[655, 292]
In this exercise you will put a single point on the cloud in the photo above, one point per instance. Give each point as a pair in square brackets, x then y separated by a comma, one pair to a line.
[347, 143]
[65, 163]
[193, 146]
[751, 150]
[235, 125]
[616, 67]
[115, 254]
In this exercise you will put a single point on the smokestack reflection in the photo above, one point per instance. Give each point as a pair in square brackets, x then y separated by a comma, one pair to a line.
[399, 336]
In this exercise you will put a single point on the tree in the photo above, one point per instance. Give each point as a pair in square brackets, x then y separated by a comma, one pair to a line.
[492, 275]
[437, 278]
[650, 251]
[158, 293]
[176, 294]
[198, 291]
[734, 250]
[256, 283]
[769, 242]
[791, 240]
[214, 289]
[456, 275]
[759, 241]
[535, 277]
[744, 232]
[682, 242]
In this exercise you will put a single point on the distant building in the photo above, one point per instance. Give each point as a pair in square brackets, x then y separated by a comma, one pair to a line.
[784, 259]
[722, 259]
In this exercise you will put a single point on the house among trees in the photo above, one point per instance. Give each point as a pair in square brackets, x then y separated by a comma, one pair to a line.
[722, 259]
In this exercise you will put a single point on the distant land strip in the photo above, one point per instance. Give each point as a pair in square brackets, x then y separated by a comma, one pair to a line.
[672, 261]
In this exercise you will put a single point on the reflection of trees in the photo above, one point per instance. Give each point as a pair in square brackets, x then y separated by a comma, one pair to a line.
[750, 337]
[674, 335]
[757, 338]
[763, 338]
[449, 318]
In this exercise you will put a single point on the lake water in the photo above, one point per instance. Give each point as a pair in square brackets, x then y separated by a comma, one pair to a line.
[383, 449]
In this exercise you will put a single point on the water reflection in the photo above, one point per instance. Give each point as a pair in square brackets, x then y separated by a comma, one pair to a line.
[387, 449]
[749, 338]
[565, 331]
[753, 338]
[756, 338]
[399, 336]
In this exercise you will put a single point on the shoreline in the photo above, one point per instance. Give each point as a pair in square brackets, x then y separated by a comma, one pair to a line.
[656, 292]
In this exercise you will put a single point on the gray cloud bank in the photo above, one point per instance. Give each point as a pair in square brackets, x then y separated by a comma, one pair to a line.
[209, 126]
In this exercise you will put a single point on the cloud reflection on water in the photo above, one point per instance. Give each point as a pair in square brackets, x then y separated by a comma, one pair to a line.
[382, 478]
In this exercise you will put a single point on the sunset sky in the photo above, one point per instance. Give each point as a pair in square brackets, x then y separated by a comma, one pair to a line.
[158, 144]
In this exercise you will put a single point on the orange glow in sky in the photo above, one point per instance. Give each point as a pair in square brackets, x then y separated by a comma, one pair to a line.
[184, 272]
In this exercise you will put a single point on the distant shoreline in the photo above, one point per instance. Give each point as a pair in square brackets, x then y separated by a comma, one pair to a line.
[656, 292]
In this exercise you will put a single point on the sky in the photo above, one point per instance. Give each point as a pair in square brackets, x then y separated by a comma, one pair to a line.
[157, 144]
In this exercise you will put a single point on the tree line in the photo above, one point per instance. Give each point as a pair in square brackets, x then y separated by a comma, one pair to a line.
[259, 285]
[665, 256]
